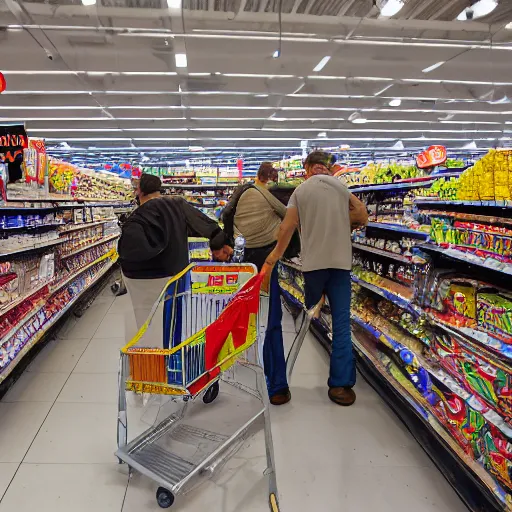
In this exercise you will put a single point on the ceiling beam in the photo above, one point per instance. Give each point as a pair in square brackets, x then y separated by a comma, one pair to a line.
[76, 11]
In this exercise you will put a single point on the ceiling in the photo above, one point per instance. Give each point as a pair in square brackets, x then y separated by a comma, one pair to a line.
[103, 80]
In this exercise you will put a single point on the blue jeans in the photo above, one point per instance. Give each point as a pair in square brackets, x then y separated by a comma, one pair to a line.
[273, 348]
[335, 283]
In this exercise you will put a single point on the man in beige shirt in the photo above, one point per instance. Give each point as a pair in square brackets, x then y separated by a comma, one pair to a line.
[257, 218]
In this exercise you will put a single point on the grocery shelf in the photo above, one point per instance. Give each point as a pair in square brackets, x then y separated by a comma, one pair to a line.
[393, 186]
[23, 298]
[488, 264]
[195, 186]
[38, 226]
[490, 415]
[46, 327]
[85, 225]
[89, 246]
[396, 227]
[381, 252]
[428, 201]
[33, 248]
[400, 301]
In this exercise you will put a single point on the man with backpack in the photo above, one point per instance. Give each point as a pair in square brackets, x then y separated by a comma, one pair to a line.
[254, 213]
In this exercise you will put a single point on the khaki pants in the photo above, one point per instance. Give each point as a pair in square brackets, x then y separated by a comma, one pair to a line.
[143, 295]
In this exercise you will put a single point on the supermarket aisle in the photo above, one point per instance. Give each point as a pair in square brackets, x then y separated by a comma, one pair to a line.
[58, 435]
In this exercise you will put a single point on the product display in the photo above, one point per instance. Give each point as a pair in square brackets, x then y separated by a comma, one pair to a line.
[50, 256]
[432, 316]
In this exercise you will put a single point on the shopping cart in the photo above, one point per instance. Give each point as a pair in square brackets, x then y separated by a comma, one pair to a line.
[211, 348]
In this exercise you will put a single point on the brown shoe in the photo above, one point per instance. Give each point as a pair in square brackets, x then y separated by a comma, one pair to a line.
[342, 396]
[282, 397]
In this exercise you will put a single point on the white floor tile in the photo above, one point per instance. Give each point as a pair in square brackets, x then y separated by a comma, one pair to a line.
[90, 387]
[395, 489]
[59, 356]
[102, 356]
[65, 488]
[19, 423]
[76, 433]
[7, 471]
[87, 325]
[112, 326]
[36, 387]
[120, 305]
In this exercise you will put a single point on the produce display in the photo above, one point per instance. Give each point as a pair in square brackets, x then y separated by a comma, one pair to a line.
[383, 172]
[490, 179]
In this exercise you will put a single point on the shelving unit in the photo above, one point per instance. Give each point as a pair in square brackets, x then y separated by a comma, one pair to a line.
[444, 371]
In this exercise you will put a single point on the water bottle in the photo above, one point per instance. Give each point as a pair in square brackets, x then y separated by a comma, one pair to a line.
[238, 251]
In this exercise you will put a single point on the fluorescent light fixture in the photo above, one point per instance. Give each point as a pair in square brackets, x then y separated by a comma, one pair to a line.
[509, 26]
[360, 120]
[322, 135]
[322, 64]
[357, 118]
[261, 95]
[196, 148]
[174, 4]
[384, 89]
[477, 10]
[181, 60]
[395, 103]
[434, 66]
[390, 7]
[89, 2]
[276, 54]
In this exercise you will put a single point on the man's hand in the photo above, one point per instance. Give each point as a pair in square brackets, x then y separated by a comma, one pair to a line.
[223, 254]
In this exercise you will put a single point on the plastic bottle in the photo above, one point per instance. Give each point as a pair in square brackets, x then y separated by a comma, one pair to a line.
[239, 249]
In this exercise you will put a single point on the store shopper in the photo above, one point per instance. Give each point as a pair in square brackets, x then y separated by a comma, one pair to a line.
[256, 215]
[328, 212]
[154, 243]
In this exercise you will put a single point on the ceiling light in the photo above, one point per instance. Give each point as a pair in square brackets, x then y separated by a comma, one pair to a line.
[322, 64]
[276, 54]
[261, 95]
[322, 135]
[478, 10]
[196, 148]
[390, 7]
[88, 2]
[384, 89]
[174, 4]
[470, 145]
[357, 118]
[395, 103]
[397, 145]
[181, 60]
[434, 66]
[509, 26]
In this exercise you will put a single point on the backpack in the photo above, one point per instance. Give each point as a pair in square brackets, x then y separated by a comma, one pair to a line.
[228, 214]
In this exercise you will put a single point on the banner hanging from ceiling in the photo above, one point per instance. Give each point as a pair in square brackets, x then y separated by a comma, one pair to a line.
[13, 140]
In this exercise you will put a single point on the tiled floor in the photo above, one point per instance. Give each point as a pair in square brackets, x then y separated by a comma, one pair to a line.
[58, 436]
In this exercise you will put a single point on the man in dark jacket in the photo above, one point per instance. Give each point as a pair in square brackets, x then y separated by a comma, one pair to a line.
[154, 243]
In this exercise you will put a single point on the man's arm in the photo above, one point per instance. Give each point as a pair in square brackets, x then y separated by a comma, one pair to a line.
[286, 230]
[201, 225]
[358, 212]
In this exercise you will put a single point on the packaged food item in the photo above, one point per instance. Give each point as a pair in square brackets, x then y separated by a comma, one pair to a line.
[495, 313]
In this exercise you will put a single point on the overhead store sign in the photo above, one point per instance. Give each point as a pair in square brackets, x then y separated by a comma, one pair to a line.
[434, 155]
[3, 83]
[13, 140]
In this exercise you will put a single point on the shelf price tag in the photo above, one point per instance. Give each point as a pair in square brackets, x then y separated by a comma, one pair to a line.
[434, 155]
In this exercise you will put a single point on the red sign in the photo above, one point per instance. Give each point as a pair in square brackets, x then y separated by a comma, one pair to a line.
[434, 155]
[3, 83]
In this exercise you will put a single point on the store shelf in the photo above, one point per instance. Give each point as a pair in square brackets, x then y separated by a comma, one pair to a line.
[37, 247]
[434, 201]
[404, 303]
[46, 327]
[38, 226]
[85, 225]
[490, 415]
[23, 298]
[398, 228]
[481, 339]
[381, 252]
[195, 186]
[383, 187]
[488, 264]
[89, 246]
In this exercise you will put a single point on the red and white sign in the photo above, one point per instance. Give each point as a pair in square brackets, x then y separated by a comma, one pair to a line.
[434, 155]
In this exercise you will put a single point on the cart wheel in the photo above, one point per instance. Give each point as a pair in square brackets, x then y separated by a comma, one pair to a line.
[164, 498]
[212, 393]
